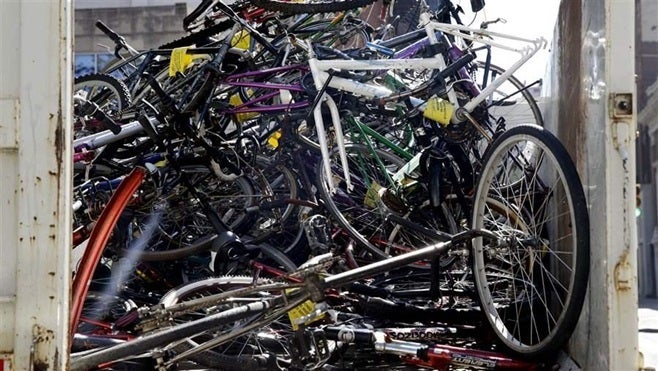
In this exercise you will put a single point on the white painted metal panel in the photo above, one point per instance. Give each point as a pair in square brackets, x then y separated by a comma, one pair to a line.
[593, 56]
[620, 168]
[35, 186]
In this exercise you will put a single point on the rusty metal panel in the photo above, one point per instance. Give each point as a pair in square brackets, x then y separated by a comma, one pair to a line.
[35, 182]
[592, 90]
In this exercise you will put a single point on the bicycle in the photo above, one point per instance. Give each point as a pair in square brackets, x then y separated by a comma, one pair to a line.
[525, 177]
[503, 178]
[284, 297]
[368, 139]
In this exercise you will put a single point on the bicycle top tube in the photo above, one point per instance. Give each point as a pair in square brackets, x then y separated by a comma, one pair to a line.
[398, 261]
[267, 71]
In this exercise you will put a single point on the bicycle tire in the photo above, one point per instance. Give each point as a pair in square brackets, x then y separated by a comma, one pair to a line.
[218, 361]
[104, 81]
[279, 226]
[234, 355]
[182, 229]
[345, 36]
[237, 262]
[161, 337]
[367, 220]
[277, 256]
[199, 38]
[110, 94]
[548, 251]
[311, 7]
[228, 198]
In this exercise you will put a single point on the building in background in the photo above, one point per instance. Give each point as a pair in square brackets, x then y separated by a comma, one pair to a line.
[144, 23]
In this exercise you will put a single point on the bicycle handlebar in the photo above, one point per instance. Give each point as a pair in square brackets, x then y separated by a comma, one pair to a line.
[118, 39]
[205, 4]
[87, 108]
[452, 68]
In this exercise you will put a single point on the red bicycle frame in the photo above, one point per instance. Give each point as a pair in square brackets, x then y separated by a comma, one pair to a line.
[440, 357]
[98, 239]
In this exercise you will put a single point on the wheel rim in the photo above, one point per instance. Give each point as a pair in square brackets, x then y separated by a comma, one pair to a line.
[526, 283]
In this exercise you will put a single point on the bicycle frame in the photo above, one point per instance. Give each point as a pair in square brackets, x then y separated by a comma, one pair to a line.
[309, 289]
[103, 138]
[249, 106]
[100, 235]
[320, 71]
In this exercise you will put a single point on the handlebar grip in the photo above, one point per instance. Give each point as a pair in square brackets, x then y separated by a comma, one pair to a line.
[84, 107]
[107, 121]
[109, 32]
[225, 8]
[326, 52]
[205, 4]
[459, 63]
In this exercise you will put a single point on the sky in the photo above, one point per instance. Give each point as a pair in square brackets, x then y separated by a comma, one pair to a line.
[525, 18]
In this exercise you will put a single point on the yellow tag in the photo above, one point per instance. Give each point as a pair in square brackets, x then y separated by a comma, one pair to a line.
[179, 61]
[302, 310]
[439, 110]
[236, 101]
[273, 140]
[241, 40]
[372, 195]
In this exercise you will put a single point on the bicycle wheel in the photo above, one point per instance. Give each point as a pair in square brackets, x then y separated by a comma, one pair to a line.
[257, 348]
[343, 36]
[365, 211]
[312, 6]
[532, 282]
[511, 100]
[181, 227]
[239, 316]
[278, 220]
[111, 96]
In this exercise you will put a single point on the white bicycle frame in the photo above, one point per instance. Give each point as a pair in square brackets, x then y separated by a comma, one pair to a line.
[320, 68]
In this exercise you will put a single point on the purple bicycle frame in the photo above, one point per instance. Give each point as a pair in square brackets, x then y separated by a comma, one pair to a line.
[248, 107]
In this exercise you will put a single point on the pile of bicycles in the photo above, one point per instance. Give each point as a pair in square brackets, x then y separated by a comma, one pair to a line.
[290, 188]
